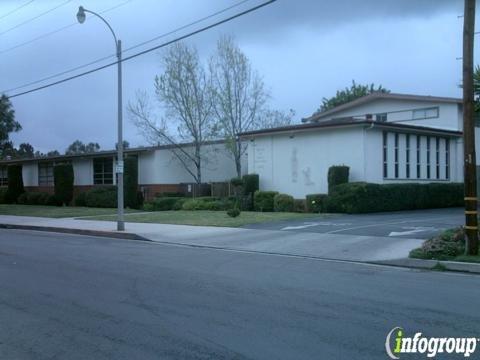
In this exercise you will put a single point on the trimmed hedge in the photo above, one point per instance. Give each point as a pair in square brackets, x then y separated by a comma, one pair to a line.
[283, 203]
[102, 197]
[212, 204]
[337, 175]
[130, 184]
[367, 197]
[15, 184]
[34, 198]
[63, 180]
[251, 183]
[299, 205]
[3, 193]
[81, 199]
[315, 203]
[164, 204]
[263, 200]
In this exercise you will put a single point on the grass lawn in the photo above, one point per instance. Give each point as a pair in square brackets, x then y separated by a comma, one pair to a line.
[209, 218]
[54, 211]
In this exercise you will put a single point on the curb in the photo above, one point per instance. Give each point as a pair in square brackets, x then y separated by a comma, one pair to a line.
[454, 266]
[98, 233]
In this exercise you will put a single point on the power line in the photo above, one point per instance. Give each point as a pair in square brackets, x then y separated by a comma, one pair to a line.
[16, 9]
[183, 37]
[188, 25]
[34, 18]
[57, 31]
[128, 49]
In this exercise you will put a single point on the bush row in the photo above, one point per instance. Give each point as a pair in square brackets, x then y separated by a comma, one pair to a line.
[367, 197]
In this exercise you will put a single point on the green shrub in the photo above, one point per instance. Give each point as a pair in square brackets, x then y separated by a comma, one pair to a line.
[130, 184]
[250, 183]
[367, 197]
[3, 193]
[33, 198]
[283, 203]
[53, 201]
[170, 194]
[263, 200]
[63, 179]
[211, 204]
[299, 206]
[236, 181]
[179, 204]
[15, 184]
[103, 197]
[337, 175]
[233, 212]
[315, 203]
[81, 199]
[164, 204]
[446, 246]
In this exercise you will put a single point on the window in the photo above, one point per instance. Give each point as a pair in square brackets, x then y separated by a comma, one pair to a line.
[447, 159]
[427, 113]
[103, 171]
[45, 174]
[3, 176]
[437, 157]
[428, 157]
[385, 154]
[381, 117]
[419, 159]
[407, 155]
[396, 155]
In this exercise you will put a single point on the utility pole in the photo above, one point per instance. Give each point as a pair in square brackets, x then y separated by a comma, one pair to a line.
[470, 166]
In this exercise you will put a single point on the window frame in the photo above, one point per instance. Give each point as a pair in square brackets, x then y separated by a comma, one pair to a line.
[103, 177]
[48, 179]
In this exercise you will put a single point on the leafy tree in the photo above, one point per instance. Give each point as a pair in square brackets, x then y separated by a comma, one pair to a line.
[7, 124]
[25, 150]
[476, 87]
[239, 98]
[78, 147]
[126, 145]
[183, 91]
[348, 94]
[53, 153]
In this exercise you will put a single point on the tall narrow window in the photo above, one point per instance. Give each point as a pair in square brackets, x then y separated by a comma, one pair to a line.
[437, 157]
[103, 171]
[396, 155]
[45, 174]
[419, 167]
[385, 154]
[407, 155]
[3, 176]
[447, 159]
[428, 157]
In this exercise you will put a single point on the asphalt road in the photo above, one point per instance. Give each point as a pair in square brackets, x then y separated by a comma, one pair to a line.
[76, 297]
[418, 224]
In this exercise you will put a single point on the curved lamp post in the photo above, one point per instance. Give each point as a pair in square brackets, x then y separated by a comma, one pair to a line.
[81, 16]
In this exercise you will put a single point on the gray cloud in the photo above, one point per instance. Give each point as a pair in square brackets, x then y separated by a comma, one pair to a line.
[304, 49]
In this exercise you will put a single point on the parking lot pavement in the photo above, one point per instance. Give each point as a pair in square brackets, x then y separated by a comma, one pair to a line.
[418, 224]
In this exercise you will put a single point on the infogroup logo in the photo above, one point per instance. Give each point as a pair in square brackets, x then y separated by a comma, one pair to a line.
[397, 343]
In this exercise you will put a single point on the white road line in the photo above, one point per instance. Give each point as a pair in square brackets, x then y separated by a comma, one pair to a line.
[413, 230]
[311, 224]
[381, 224]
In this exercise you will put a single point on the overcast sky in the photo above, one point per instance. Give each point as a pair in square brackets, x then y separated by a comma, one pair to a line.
[304, 49]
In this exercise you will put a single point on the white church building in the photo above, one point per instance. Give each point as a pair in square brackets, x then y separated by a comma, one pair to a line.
[383, 138]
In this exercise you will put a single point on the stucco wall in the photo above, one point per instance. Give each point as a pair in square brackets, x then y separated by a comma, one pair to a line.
[30, 174]
[83, 172]
[298, 164]
[163, 167]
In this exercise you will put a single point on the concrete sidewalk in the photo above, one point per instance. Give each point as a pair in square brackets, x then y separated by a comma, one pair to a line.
[329, 246]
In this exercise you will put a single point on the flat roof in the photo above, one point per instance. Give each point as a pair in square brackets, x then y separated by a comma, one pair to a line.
[102, 153]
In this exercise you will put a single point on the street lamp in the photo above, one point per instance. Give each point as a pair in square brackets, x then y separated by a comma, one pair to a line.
[81, 16]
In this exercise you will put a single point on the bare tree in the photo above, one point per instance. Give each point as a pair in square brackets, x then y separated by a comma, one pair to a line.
[239, 95]
[275, 118]
[183, 91]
